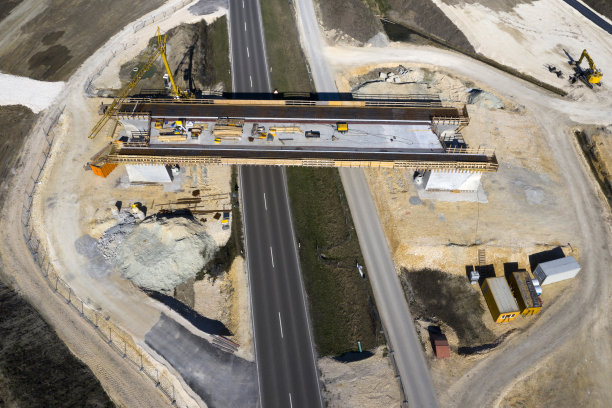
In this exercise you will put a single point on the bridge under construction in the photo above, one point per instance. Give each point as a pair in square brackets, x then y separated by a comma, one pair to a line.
[418, 134]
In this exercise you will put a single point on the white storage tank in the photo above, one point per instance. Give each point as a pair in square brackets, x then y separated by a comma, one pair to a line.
[557, 270]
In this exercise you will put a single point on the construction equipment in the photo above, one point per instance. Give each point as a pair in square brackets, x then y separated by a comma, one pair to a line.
[589, 76]
[175, 91]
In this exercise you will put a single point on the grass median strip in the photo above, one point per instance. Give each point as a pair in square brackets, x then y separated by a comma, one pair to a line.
[341, 302]
[288, 72]
[217, 55]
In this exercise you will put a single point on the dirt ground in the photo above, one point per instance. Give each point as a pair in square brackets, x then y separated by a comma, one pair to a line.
[197, 53]
[530, 42]
[366, 383]
[62, 214]
[601, 6]
[352, 18]
[525, 214]
[37, 369]
[16, 122]
[426, 16]
[48, 40]
[548, 385]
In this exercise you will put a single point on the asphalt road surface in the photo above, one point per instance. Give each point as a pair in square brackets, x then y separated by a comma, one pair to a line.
[390, 300]
[388, 292]
[220, 378]
[283, 344]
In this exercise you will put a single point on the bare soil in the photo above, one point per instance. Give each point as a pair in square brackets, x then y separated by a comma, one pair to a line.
[198, 55]
[497, 5]
[16, 121]
[601, 6]
[7, 7]
[367, 383]
[426, 16]
[351, 17]
[40, 49]
[438, 296]
[36, 367]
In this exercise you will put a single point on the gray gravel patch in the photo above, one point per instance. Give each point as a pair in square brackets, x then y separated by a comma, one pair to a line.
[221, 379]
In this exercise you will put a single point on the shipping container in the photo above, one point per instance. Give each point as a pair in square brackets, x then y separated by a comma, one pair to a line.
[528, 301]
[103, 170]
[557, 270]
[502, 304]
[441, 348]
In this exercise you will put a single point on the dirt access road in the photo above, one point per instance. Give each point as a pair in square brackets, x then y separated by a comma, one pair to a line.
[585, 309]
[123, 382]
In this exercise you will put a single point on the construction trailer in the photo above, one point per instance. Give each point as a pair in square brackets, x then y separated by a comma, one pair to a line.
[557, 270]
[502, 305]
[528, 301]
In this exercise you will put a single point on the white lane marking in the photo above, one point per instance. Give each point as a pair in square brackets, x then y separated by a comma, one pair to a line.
[245, 26]
[301, 280]
[251, 79]
[280, 323]
[248, 54]
[290, 401]
[265, 202]
[242, 3]
[272, 257]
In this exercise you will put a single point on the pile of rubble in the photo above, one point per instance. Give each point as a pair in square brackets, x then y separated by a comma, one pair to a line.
[157, 253]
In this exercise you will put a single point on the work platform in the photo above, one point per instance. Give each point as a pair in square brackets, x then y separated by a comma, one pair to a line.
[357, 133]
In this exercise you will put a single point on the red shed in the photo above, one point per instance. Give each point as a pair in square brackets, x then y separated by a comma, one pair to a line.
[441, 348]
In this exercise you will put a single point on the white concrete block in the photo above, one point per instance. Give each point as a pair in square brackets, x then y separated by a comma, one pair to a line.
[451, 180]
[140, 173]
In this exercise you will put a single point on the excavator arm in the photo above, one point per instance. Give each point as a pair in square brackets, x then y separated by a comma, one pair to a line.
[594, 76]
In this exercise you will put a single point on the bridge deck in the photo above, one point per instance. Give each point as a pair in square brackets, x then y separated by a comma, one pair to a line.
[294, 113]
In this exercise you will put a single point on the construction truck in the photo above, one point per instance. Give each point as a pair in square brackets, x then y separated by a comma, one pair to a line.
[589, 76]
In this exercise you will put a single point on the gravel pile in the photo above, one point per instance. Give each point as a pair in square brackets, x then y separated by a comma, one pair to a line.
[158, 253]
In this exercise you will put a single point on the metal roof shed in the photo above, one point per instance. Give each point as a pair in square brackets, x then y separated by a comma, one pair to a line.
[557, 270]
[499, 298]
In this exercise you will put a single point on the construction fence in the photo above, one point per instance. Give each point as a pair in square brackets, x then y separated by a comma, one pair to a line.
[117, 339]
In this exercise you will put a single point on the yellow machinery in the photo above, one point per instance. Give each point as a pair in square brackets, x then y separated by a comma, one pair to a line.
[591, 75]
[175, 91]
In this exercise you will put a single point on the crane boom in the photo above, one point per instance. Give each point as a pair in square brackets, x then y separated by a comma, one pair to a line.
[176, 92]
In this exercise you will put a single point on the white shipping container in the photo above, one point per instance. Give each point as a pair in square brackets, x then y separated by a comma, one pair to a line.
[557, 270]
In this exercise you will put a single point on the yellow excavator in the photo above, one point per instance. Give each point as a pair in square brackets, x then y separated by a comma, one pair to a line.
[175, 91]
[590, 75]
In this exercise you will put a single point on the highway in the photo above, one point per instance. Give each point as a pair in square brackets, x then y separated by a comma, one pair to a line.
[286, 365]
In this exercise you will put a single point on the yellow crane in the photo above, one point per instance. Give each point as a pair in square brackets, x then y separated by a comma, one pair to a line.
[175, 91]
[590, 75]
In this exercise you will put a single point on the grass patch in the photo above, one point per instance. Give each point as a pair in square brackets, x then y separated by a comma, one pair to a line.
[439, 296]
[285, 57]
[217, 68]
[341, 302]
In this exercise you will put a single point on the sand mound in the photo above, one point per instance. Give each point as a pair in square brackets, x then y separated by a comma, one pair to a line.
[159, 253]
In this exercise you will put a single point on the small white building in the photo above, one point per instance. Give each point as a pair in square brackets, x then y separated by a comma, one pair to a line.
[557, 270]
